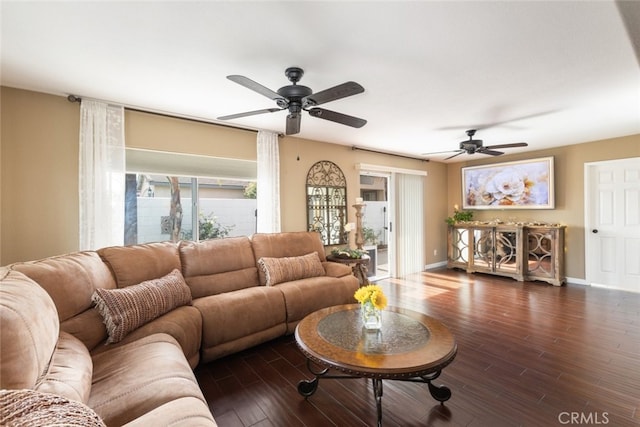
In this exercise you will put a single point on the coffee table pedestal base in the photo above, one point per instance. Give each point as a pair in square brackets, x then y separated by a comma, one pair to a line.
[440, 393]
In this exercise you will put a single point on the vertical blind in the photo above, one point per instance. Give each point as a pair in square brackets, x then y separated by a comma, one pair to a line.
[409, 224]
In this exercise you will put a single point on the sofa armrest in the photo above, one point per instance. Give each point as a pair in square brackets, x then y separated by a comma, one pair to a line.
[335, 269]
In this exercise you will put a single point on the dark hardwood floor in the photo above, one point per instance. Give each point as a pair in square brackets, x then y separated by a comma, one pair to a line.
[529, 354]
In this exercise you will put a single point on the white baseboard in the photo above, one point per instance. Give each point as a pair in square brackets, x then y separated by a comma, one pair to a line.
[435, 265]
[575, 281]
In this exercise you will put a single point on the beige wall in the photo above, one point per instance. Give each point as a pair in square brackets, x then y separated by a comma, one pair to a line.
[39, 175]
[162, 133]
[40, 169]
[569, 190]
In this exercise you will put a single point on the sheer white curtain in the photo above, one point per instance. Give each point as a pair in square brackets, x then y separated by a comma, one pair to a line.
[268, 200]
[102, 175]
[409, 224]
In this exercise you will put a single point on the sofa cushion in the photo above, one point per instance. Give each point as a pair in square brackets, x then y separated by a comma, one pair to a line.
[182, 323]
[132, 380]
[29, 328]
[134, 264]
[88, 327]
[28, 408]
[129, 308]
[215, 266]
[305, 296]
[237, 320]
[69, 279]
[182, 412]
[70, 371]
[279, 270]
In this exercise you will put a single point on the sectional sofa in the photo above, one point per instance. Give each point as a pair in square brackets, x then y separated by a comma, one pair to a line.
[111, 336]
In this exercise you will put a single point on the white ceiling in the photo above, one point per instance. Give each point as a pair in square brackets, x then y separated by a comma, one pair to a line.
[549, 73]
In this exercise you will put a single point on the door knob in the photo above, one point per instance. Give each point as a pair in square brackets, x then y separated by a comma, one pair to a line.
[594, 231]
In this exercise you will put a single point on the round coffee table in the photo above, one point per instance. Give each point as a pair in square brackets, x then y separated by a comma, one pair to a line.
[410, 346]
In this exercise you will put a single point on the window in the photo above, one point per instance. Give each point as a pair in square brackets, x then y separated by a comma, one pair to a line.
[166, 203]
[163, 208]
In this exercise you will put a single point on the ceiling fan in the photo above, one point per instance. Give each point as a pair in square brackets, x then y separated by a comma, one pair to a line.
[472, 146]
[295, 98]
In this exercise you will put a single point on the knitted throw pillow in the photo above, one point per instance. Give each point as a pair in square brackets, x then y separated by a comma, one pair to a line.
[129, 308]
[28, 408]
[279, 270]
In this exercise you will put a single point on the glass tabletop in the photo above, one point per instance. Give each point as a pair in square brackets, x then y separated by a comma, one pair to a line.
[399, 333]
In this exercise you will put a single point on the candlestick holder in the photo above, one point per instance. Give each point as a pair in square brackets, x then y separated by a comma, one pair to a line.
[359, 234]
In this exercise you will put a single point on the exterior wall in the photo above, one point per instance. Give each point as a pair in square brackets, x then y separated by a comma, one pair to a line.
[237, 213]
[374, 218]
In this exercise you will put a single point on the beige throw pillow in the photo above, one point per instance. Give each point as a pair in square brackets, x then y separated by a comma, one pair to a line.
[279, 270]
[129, 308]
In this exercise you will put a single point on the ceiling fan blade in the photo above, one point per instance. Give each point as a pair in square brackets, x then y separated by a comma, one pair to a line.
[515, 144]
[250, 113]
[455, 155]
[485, 150]
[336, 92]
[337, 117]
[293, 123]
[255, 86]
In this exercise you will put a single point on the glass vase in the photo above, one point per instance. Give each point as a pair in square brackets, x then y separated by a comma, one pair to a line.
[371, 316]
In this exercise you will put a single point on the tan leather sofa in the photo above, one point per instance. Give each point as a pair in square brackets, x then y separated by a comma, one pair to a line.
[53, 337]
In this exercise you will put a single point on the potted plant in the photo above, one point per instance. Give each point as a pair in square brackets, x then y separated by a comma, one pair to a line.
[347, 253]
[459, 216]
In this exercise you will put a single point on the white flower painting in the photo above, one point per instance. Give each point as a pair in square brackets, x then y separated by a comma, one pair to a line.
[522, 185]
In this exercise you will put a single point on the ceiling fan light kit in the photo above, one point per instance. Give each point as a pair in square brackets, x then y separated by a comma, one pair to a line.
[297, 98]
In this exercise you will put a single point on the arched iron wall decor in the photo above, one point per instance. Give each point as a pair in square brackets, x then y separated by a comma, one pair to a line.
[327, 202]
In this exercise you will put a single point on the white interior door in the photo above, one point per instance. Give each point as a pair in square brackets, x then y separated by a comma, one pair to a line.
[612, 226]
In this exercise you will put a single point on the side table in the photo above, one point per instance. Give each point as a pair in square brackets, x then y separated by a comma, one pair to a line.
[358, 266]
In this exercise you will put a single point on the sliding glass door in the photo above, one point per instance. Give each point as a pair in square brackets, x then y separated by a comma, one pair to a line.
[377, 225]
[393, 220]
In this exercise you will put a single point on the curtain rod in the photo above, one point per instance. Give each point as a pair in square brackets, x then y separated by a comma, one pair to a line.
[388, 154]
[75, 98]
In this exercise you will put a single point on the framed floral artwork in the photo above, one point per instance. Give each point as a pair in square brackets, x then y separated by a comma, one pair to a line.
[526, 184]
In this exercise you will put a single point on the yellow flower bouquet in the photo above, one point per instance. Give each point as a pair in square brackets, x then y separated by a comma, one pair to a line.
[372, 294]
[372, 301]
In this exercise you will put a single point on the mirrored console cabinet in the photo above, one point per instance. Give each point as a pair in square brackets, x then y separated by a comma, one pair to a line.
[523, 252]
